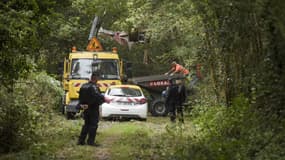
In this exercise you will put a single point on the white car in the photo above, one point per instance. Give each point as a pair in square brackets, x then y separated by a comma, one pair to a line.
[124, 101]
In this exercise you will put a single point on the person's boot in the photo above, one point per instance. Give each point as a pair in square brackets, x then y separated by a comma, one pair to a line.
[172, 118]
[83, 134]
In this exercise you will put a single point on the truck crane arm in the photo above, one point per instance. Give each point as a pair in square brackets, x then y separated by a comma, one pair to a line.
[94, 44]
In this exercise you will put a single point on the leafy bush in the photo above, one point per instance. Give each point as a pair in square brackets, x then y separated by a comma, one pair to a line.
[16, 121]
[26, 111]
[240, 132]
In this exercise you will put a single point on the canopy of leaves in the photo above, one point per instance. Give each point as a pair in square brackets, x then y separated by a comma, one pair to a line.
[240, 44]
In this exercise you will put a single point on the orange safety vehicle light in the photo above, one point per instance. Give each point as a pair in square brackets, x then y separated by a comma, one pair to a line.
[73, 49]
[115, 50]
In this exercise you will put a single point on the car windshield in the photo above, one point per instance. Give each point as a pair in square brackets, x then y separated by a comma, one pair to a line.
[82, 68]
[124, 91]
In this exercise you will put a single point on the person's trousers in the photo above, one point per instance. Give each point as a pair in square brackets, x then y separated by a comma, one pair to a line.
[172, 111]
[89, 128]
[180, 111]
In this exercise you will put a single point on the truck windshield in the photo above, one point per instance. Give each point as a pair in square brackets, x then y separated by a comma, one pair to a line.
[82, 68]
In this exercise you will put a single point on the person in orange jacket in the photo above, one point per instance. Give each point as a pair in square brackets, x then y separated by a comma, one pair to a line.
[177, 68]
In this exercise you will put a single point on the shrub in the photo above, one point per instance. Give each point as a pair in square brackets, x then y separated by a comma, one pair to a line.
[240, 132]
[26, 111]
[17, 127]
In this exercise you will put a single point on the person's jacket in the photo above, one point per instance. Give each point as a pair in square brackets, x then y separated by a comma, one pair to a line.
[172, 94]
[90, 94]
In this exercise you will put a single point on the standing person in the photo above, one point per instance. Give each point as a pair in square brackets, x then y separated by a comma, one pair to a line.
[177, 68]
[89, 99]
[171, 99]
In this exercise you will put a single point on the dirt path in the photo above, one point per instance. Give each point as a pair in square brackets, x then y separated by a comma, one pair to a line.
[104, 151]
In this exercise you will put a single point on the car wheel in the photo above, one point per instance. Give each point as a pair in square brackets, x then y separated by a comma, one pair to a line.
[158, 108]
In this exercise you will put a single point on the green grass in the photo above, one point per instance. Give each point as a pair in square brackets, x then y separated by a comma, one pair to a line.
[119, 140]
[125, 133]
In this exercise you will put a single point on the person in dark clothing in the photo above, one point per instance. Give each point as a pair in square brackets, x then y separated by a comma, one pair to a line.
[175, 97]
[89, 99]
[171, 99]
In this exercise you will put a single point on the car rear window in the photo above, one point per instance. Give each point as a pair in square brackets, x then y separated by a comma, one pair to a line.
[124, 91]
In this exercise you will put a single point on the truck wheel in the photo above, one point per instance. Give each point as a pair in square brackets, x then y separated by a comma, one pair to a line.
[70, 115]
[158, 108]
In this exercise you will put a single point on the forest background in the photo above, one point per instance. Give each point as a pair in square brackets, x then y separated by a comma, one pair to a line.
[238, 106]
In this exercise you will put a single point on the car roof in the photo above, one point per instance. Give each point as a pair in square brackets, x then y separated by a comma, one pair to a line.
[125, 85]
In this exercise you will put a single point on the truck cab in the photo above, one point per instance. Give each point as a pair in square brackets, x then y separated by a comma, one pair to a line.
[78, 67]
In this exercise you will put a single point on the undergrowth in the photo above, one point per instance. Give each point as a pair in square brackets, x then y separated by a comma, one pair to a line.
[27, 111]
[236, 132]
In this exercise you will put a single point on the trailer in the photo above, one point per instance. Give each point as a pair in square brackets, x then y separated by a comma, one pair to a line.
[155, 85]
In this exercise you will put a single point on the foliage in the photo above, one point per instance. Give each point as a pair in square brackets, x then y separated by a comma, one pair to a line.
[225, 37]
[17, 126]
[239, 132]
[240, 45]
[17, 35]
[26, 112]
[63, 133]
[237, 47]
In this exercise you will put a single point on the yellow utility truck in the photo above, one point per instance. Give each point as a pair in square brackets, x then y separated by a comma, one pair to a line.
[78, 67]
